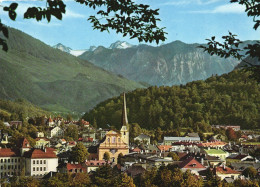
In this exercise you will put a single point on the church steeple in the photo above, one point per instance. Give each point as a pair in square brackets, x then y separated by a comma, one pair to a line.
[124, 120]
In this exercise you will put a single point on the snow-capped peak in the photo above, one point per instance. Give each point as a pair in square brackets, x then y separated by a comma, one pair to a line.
[120, 45]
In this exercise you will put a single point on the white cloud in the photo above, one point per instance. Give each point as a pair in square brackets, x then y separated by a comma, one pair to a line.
[71, 14]
[187, 2]
[224, 9]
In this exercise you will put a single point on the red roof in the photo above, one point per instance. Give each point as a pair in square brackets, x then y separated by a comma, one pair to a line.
[96, 162]
[75, 166]
[211, 144]
[72, 143]
[164, 147]
[225, 170]
[7, 152]
[136, 150]
[26, 143]
[50, 120]
[191, 163]
[39, 153]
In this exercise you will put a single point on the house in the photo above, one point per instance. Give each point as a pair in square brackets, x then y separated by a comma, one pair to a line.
[42, 142]
[226, 172]
[71, 144]
[55, 132]
[16, 123]
[149, 148]
[142, 138]
[11, 162]
[50, 122]
[235, 128]
[191, 164]
[4, 138]
[164, 148]
[214, 144]
[217, 153]
[7, 124]
[171, 140]
[92, 165]
[39, 162]
[182, 146]
[39, 134]
[71, 168]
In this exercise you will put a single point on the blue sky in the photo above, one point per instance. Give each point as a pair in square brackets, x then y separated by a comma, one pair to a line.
[191, 21]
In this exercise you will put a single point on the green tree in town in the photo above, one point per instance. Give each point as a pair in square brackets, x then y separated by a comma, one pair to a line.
[174, 156]
[250, 172]
[79, 153]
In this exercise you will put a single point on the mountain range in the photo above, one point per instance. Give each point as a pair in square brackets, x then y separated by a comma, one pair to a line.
[52, 79]
[78, 52]
[174, 63]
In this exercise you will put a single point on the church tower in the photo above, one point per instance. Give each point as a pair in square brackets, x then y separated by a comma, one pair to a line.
[124, 121]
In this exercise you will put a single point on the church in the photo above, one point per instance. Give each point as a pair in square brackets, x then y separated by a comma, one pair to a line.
[114, 142]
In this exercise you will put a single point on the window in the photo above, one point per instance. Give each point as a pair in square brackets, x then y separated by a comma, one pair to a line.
[44, 168]
[15, 160]
[40, 161]
[113, 139]
[34, 162]
[1, 160]
[33, 168]
[40, 168]
[12, 160]
[37, 169]
[37, 161]
[8, 160]
[44, 161]
[2, 167]
[108, 140]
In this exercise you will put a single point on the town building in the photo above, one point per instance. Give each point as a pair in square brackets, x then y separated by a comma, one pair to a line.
[114, 142]
[142, 138]
[39, 162]
[170, 140]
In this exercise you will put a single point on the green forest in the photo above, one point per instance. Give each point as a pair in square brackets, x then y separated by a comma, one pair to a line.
[230, 99]
[19, 109]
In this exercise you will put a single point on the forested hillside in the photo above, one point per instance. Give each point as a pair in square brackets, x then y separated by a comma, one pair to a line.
[53, 79]
[231, 99]
[19, 109]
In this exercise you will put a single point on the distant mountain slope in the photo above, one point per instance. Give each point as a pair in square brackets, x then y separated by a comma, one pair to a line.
[229, 99]
[54, 79]
[170, 64]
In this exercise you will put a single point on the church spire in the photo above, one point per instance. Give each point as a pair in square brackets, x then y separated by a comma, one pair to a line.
[124, 120]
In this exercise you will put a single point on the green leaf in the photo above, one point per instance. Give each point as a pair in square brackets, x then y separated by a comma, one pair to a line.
[13, 6]
[12, 15]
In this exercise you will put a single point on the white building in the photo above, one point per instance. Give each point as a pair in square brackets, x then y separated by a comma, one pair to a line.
[55, 132]
[10, 162]
[39, 162]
